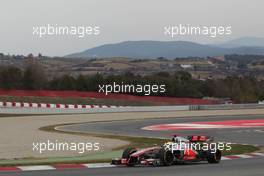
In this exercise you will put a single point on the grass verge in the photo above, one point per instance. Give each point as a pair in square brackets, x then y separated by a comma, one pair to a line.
[139, 142]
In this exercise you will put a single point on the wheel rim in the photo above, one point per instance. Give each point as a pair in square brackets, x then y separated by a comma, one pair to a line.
[169, 157]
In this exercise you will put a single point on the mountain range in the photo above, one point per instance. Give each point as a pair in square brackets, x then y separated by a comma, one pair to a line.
[173, 49]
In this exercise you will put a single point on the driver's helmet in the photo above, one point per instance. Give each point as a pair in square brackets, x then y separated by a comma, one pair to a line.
[178, 139]
[174, 138]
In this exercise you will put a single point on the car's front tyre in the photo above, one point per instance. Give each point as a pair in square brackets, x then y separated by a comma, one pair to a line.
[214, 157]
[166, 157]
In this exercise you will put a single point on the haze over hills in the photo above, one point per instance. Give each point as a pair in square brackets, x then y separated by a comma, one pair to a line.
[244, 41]
[173, 49]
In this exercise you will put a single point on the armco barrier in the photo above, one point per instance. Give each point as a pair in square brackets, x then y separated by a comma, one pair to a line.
[226, 106]
[47, 105]
[41, 108]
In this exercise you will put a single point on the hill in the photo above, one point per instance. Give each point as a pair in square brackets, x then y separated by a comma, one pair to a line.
[244, 41]
[168, 49]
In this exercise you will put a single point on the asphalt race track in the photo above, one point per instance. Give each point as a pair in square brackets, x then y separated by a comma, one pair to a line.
[239, 167]
[244, 167]
[133, 128]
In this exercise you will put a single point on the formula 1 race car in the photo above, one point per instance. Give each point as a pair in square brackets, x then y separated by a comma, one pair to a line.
[179, 150]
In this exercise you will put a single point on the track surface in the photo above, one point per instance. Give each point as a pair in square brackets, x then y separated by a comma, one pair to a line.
[133, 128]
[244, 167]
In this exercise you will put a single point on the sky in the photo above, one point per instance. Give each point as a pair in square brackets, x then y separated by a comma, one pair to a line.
[120, 20]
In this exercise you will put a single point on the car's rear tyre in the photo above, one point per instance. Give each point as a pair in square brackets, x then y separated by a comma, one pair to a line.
[126, 154]
[214, 157]
[166, 157]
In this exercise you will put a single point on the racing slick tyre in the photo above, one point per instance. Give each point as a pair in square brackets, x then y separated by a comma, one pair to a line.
[166, 157]
[214, 157]
[126, 154]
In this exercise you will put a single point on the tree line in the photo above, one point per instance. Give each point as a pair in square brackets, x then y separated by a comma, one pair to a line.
[178, 84]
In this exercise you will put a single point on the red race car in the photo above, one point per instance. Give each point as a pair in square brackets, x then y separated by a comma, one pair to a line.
[179, 150]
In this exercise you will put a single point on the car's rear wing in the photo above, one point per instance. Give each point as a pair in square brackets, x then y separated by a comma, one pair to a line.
[200, 138]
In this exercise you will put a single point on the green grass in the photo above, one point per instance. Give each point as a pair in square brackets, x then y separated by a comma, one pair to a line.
[107, 156]
[240, 149]
[138, 142]
[91, 158]
[141, 142]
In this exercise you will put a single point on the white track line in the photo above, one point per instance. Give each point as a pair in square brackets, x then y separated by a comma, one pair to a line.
[244, 156]
[225, 158]
[99, 165]
[35, 168]
[258, 154]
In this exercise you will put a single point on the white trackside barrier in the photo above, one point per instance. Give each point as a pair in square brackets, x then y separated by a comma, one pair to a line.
[45, 108]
